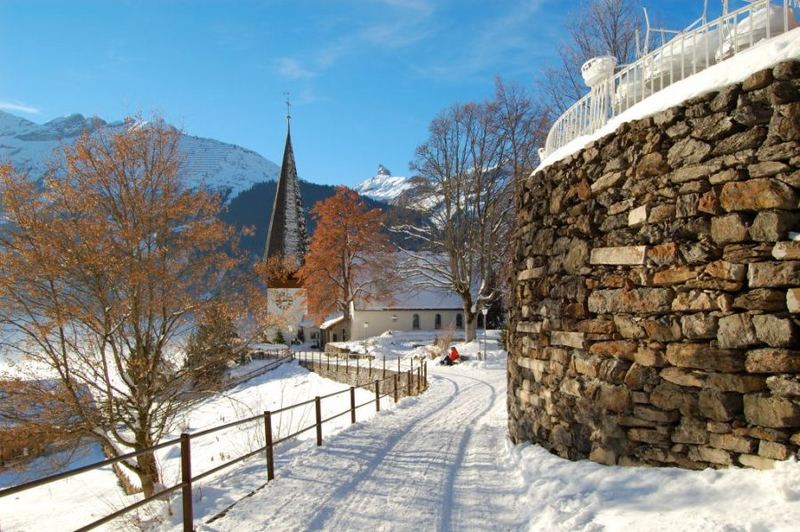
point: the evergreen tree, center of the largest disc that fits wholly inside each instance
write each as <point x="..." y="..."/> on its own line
<point x="212" y="346"/>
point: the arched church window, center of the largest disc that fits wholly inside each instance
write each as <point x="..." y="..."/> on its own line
<point x="415" y="322"/>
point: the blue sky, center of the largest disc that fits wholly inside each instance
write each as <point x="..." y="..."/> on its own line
<point x="365" y="76"/>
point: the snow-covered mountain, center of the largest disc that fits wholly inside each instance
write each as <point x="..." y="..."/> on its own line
<point x="384" y="186"/>
<point x="225" y="167"/>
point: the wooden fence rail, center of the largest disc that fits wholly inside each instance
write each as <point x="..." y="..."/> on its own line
<point x="417" y="379"/>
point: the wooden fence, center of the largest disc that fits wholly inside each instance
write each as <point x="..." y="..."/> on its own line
<point x="415" y="382"/>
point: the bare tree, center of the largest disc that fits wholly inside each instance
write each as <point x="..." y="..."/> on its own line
<point x="599" y="27"/>
<point x="102" y="272"/>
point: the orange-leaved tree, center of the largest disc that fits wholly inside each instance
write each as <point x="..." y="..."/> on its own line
<point x="350" y="258"/>
<point x="104" y="268"/>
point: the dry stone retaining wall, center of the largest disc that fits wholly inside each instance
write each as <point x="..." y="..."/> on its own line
<point x="657" y="292"/>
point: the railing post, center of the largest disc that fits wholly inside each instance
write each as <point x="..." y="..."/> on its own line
<point x="384" y="368"/>
<point x="377" y="395"/>
<point x="186" y="480"/>
<point x="419" y="380"/>
<point x="352" y="404"/>
<point x="358" y="366"/>
<point x="268" y="440"/>
<point x="408" y="382"/>
<point x="396" y="396"/>
<point x="318" y="408"/>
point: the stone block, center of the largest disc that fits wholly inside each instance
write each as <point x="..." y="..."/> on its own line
<point x="773" y="450"/>
<point x="687" y="151"/>
<point x="684" y="377"/>
<point x="771" y="226"/>
<point x="603" y="455"/>
<point x="793" y="300"/>
<point x="576" y="257"/>
<point x="785" y="385"/>
<point x="628" y="327"/>
<point x="729" y="228"/>
<point x="719" y="406"/>
<point x="533" y="273"/>
<point x="534" y="327"/>
<point x="613" y="398"/>
<point x="667" y="396"/>
<point x="623" y="255"/>
<point x="772" y="360"/>
<point x="736" y="331"/>
<point x="657" y="435"/>
<point x="729" y="442"/>
<point x="634" y="301"/>
<point x="663" y="254"/>
<point x="789" y="250"/>
<point x="695" y="301"/>
<point x="758" y="195"/>
<point x="757" y="80"/>
<point x="569" y="339"/>
<point x="648" y="357"/>
<point x="766" y="169"/>
<point x="616" y="348"/>
<point x="661" y="213"/>
<point x="606" y="181"/>
<point x="763" y="433"/>
<point x="761" y="299"/>
<point x="722" y="269"/>
<point x="691" y="431"/>
<point x="756" y="462"/>
<point x="703" y="356"/>
<point x="710" y="455"/>
<point x="736" y="144"/>
<point x="637" y="216"/>
<point x="699" y="326"/>
<point x="655" y="415"/>
<point x="675" y="275"/>
<point x="775" y="331"/>
<point x="770" y="411"/>
<point x="773" y="274"/>
<point x="730" y="382"/>
<point x="686" y="205"/>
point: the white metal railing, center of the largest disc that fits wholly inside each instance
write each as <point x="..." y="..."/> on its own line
<point x="687" y="53"/>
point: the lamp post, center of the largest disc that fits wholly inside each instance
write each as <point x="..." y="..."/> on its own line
<point x="366" y="325"/>
<point x="484" y="311"/>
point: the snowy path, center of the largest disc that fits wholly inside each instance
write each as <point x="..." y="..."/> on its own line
<point x="439" y="461"/>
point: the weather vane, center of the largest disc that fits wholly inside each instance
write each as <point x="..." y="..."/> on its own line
<point x="288" y="107"/>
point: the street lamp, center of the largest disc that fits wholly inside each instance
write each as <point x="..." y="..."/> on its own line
<point x="366" y="324"/>
<point x="484" y="311"/>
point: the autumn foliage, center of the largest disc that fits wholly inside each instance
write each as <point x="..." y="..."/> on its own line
<point x="104" y="268"/>
<point x="349" y="259"/>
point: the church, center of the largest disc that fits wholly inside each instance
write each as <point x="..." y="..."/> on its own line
<point x="287" y="238"/>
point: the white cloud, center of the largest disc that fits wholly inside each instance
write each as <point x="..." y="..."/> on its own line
<point x="291" y="68"/>
<point x="19" y="107"/>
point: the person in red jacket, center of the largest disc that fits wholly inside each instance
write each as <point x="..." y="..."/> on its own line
<point x="451" y="357"/>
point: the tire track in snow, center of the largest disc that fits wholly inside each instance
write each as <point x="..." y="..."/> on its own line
<point x="399" y="471"/>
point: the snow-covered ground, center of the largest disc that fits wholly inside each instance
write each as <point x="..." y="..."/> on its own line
<point x="81" y="499"/>
<point x="439" y="461"/>
<point x="443" y="461"/>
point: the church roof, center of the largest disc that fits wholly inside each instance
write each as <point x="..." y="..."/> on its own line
<point x="287" y="236"/>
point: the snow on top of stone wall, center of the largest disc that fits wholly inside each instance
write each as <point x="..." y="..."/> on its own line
<point x="734" y="70"/>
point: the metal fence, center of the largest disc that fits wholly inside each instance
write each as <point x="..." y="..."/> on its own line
<point x="415" y="382"/>
<point x="687" y="53"/>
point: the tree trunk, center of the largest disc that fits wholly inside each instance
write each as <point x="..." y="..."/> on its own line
<point x="148" y="472"/>
<point x="469" y="322"/>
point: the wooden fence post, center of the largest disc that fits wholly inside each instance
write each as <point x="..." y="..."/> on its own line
<point x="384" y="368"/>
<point x="318" y="408"/>
<point x="396" y="396"/>
<point x="408" y="382"/>
<point x="370" y="367"/>
<point x="352" y="404"/>
<point x="419" y="379"/>
<point x="186" y="480"/>
<point x="268" y="440"/>
<point x="398" y="363"/>
<point x="358" y="366"/>
<point x="377" y="395"/>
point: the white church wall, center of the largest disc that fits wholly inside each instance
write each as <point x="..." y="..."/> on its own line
<point x="380" y="321"/>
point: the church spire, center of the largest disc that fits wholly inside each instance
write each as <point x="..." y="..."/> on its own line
<point x="286" y="236"/>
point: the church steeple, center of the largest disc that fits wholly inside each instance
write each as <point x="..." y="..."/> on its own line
<point x="286" y="236"/>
